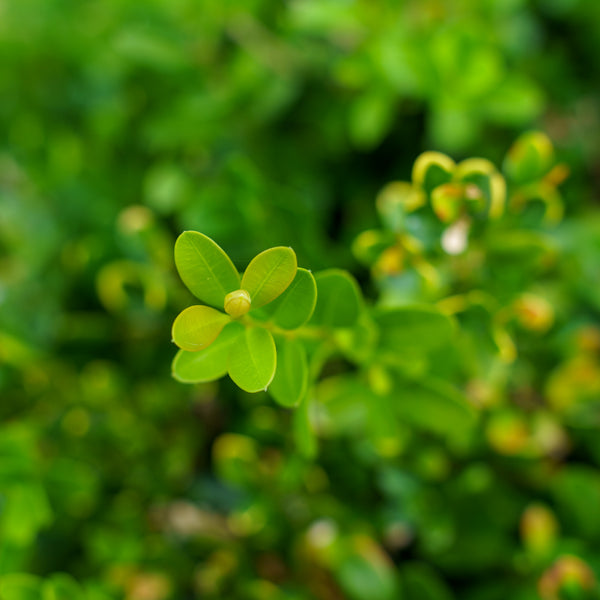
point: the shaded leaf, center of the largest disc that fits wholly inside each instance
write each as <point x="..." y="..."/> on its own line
<point x="413" y="328"/>
<point x="291" y="378"/>
<point x="197" y="327"/>
<point x="339" y="301"/>
<point x="62" y="586"/>
<point x="205" y="268"/>
<point x="304" y="435"/>
<point x="295" y="306"/>
<point x="253" y="360"/>
<point x="437" y="407"/>
<point x="269" y="274"/>
<point x="208" y="364"/>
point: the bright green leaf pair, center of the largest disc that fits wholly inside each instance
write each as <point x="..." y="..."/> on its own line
<point x="210" y="275"/>
<point x="247" y="354"/>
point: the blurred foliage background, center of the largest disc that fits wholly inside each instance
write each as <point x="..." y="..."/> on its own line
<point x="266" y="123"/>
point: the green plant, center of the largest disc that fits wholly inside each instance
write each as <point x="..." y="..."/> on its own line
<point x="278" y="328"/>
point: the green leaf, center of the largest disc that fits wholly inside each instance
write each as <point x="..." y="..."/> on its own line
<point x="339" y="302"/>
<point x="269" y="274"/>
<point x="205" y="268"/>
<point x="304" y="435"/>
<point x="420" y="580"/>
<point x="413" y="328"/>
<point x="296" y="305"/>
<point x="437" y="407"/>
<point x="364" y="579"/>
<point x="61" y="586"/>
<point x="20" y="586"/>
<point x="253" y="360"/>
<point x="25" y="511"/>
<point x="291" y="378"/>
<point x="208" y="364"/>
<point x="197" y="327"/>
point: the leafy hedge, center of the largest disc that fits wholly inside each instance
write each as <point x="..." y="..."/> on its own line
<point x="440" y="441"/>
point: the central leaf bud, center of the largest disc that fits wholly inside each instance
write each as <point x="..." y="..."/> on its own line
<point x="237" y="303"/>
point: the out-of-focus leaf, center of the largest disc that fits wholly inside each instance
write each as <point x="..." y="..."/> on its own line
<point x="413" y="328"/>
<point x="61" y="586"/>
<point x="304" y="434"/>
<point x="20" y="586"/>
<point x="576" y="488"/>
<point x="419" y="580"/>
<point x="291" y="378"/>
<point x="339" y="302"/>
<point x="26" y="511"/>
<point x="437" y="407"/>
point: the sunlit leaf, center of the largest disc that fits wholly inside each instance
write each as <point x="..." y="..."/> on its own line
<point x="20" y="586"/>
<point x="253" y="360"/>
<point x="205" y="268"/>
<point x="294" y="307"/>
<point x="269" y="274"/>
<point x="339" y="302"/>
<point x="197" y="327"/>
<point x="291" y="378"/>
<point x="208" y="364"/>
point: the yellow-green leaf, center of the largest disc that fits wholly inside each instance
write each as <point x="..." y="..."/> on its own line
<point x="269" y="274"/>
<point x="208" y="364"/>
<point x="197" y="327"/>
<point x="205" y="268"/>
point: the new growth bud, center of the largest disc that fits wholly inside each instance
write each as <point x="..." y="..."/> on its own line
<point x="237" y="303"/>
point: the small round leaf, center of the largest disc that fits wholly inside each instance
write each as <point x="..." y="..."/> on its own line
<point x="253" y="360"/>
<point x="339" y="302"/>
<point x="197" y="327"/>
<point x="208" y="364"/>
<point x="269" y="274"/>
<point x="296" y="305"/>
<point x="205" y="268"/>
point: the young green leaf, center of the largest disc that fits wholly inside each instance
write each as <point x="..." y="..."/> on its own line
<point x="291" y="378"/>
<point x="197" y="327"/>
<point x="61" y="585"/>
<point x="205" y="268"/>
<point x="208" y="364"/>
<point x="304" y="435"/>
<point x="253" y="360"/>
<point x="339" y="302"/>
<point x="413" y="328"/>
<point x="435" y="406"/>
<point x="269" y="274"/>
<point x="294" y="307"/>
<point x="20" y="586"/>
